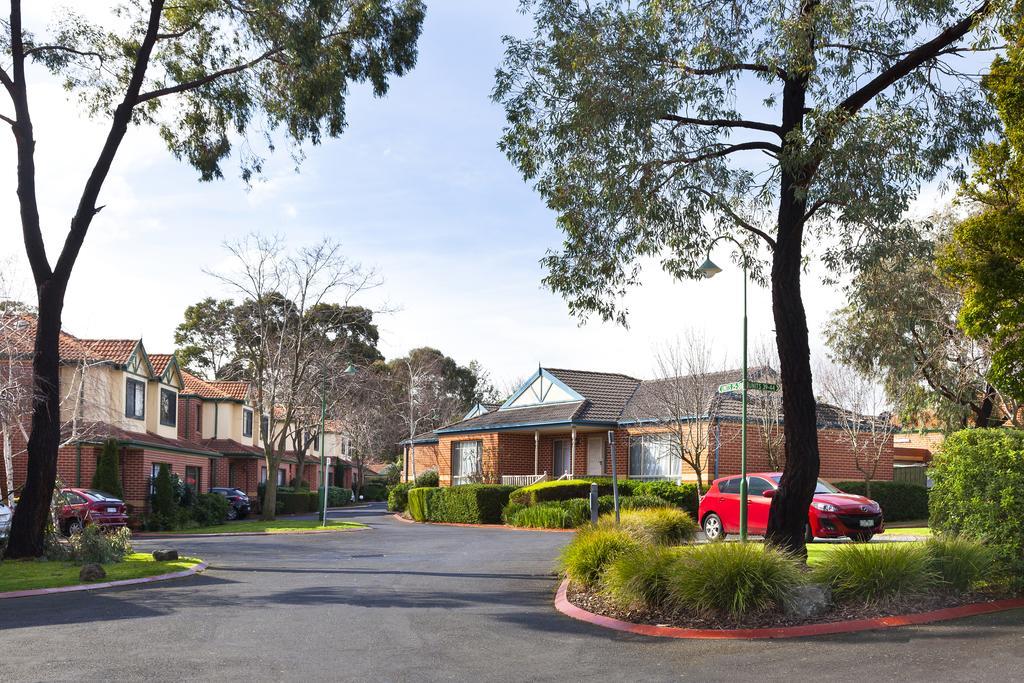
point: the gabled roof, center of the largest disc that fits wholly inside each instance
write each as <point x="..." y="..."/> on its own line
<point x="17" y="338"/>
<point x="605" y="393"/>
<point x="236" y="390"/>
<point x="654" y="398"/>
<point x="197" y="386"/>
<point x="165" y="367"/>
<point x="117" y="351"/>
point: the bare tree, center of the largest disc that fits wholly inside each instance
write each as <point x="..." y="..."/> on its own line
<point x="766" y="406"/>
<point x="856" y="403"/>
<point x="683" y="398"/>
<point x="421" y="398"/>
<point x="366" y="415"/>
<point x="278" y="344"/>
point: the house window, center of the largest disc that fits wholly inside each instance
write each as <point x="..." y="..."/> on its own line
<point x="192" y="477"/>
<point x="263" y="475"/>
<point x="246" y="422"/>
<point x="316" y="441"/>
<point x="135" y="399"/>
<point x="653" y="456"/>
<point x="562" y="453"/>
<point x="168" y="408"/>
<point x="282" y="476"/>
<point x="466" y="461"/>
<point x="199" y="419"/>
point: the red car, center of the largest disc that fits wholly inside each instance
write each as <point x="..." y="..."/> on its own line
<point x="87" y="506"/>
<point x="832" y="513"/>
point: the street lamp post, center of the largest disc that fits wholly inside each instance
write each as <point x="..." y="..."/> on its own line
<point x="709" y="269"/>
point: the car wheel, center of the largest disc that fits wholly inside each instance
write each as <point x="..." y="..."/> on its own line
<point x="808" y="534"/>
<point x="232" y="513"/>
<point x="713" y="527"/>
<point x="862" y="537"/>
<point x="75" y="526"/>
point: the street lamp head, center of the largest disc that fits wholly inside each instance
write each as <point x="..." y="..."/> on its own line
<point x="708" y="268"/>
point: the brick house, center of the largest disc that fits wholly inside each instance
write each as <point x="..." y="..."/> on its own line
<point x="562" y="423"/>
<point x="208" y="433"/>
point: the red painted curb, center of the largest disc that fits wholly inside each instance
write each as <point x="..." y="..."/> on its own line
<point x="502" y="527"/>
<point x="195" y="569"/>
<point x="563" y="605"/>
<point x="174" y="534"/>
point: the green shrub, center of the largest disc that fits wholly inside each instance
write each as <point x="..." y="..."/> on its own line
<point x="469" y="503"/>
<point x="398" y="497"/>
<point x="683" y="496"/>
<point x="960" y="563"/>
<point x="642" y="502"/>
<point x="640" y="577"/>
<point x="509" y="511"/>
<point x="660" y="526"/>
<point x="732" y="578"/>
<point x="315" y="502"/>
<point x="294" y="502"/>
<point x="427" y="479"/>
<point x="979" y="493"/>
<point x="209" y="509"/>
<point x="627" y="487"/>
<point x="337" y="496"/>
<point x="164" y="507"/>
<point x="92" y="545"/>
<point x="107" y="477"/>
<point x="374" y="492"/>
<point x="583" y="560"/>
<point x="557" y="514"/>
<point x="419" y="502"/>
<point x="566" y="489"/>
<point x="899" y="500"/>
<point x="877" y="573"/>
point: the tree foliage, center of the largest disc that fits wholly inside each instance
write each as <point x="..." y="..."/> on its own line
<point x="107" y="477"/>
<point x="984" y="260"/>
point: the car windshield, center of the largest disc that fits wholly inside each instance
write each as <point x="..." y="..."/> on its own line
<point x="822" y="487"/>
<point x="99" y="495"/>
<point x="238" y="492"/>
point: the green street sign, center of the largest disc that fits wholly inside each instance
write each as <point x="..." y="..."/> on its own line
<point x="738" y="386"/>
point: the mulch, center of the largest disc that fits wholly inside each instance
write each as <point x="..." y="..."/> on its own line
<point x="592" y="601"/>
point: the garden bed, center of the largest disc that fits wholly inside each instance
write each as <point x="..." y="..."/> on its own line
<point x="594" y="602"/>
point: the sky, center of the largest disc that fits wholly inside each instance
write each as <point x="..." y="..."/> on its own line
<point x="415" y="188"/>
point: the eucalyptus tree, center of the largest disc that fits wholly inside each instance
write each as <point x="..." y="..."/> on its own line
<point x="653" y="126"/>
<point x="206" y="73"/>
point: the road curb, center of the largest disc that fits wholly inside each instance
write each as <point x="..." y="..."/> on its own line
<point x="501" y="527"/>
<point x="195" y="569"/>
<point x="156" y="536"/>
<point x="563" y="605"/>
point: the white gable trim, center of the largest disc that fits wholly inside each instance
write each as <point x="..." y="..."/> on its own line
<point x="542" y="388"/>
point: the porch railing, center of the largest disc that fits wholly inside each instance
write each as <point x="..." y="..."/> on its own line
<point x="523" y="479"/>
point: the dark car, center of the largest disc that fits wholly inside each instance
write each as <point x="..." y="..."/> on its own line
<point x="239" y="502"/>
<point x="83" y="507"/>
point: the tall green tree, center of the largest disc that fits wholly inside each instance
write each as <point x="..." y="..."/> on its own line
<point x="203" y="72"/>
<point x="652" y="127"/>
<point x="107" y="477"/>
<point x="204" y="337"/>
<point x="984" y="260"/>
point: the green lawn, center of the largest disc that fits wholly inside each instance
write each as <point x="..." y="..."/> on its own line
<point x="16" y="575"/>
<point x="279" y="526"/>
<point x="907" y="531"/>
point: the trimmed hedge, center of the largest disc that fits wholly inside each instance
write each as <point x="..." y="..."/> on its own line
<point x="566" y="489"/>
<point x="428" y="479"/>
<point x="337" y="496"/>
<point x="466" y="504"/>
<point x="374" y="492"/>
<point x="900" y="501"/>
<point x="979" y="492"/>
<point x="684" y="496"/>
<point x="293" y="502"/>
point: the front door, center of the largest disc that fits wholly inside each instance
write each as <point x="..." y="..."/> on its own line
<point x="595" y="455"/>
<point x="563" y="457"/>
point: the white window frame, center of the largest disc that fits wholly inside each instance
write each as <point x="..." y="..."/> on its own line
<point x="654" y="451"/>
<point x="247" y="417"/>
<point x="467" y="461"/>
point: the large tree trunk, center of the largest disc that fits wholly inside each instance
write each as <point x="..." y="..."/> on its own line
<point x="269" y="510"/>
<point x="983" y="416"/>
<point x="32" y="515"/>
<point x="788" y="514"/>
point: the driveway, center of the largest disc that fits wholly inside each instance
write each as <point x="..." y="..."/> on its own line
<point x="406" y="602"/>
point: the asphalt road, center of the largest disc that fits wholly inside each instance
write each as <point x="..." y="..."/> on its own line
<point x="405" y="602"/>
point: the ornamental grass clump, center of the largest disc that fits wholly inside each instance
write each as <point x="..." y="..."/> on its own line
<point x="586" y="557"/>
<point x="563" y="514"/>
<point x="731" y="578"/>
<point x="640" y="577"/>
<point x="660" y="525"/>
<point x="878" y="573"/>
<point x="960" y="563"/>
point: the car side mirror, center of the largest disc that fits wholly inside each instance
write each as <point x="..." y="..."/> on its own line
<point x="768" y="493"/>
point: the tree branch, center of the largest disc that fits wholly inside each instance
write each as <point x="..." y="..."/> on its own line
<point x="6" y="80"/>
<point x="209" y="78"/>
<point x="8" y="120"/>
<point x="725" y="151"/>
<point x="742" y="222"/>
<point x="913" y="59"/>
<point x="725" y="123"/>
<point x="738" y="66"/>
<point x="62" y="48"/>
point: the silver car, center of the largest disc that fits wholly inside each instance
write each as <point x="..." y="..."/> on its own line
<point x="5" y="521"/>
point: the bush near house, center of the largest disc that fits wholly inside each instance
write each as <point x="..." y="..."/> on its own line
<point x="428" y="479"/>
<point x="900" y="501"/>
<point x="685" y="496"/>
<point x="337" y="496"/>
<point x="209" y="509"/>
<point x="293" y="502"/>
<point x="398" y="496"/>
<point x="466" y="504"/>
<point x="419" y="503"/>
<point x="978" y="493"/>
<point x="556" y="514"/>
<point x="164" y="513"/>
<point x="107" y="477"/>
<point x="371" y="492"/>
<point x="566" y="489"/>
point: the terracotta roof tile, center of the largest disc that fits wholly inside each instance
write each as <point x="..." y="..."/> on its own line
<point x="233" y="389"/>
<point x="17" y="337"/>
<point x="101" y="431"/>
<point x="116" y="350"/>
<point x="200" y="387"/>
<point x="160" y="361"/>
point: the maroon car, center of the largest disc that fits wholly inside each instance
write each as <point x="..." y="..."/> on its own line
<point x="88" y="506"/>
